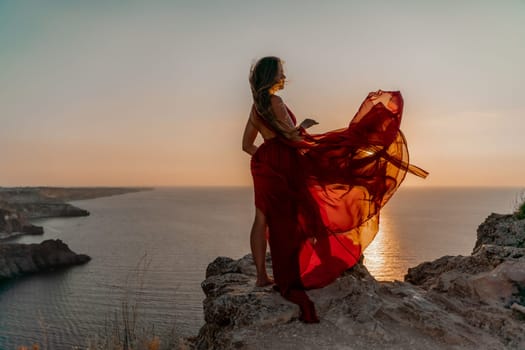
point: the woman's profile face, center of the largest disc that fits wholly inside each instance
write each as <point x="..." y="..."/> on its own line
<point x="280" y="77"/>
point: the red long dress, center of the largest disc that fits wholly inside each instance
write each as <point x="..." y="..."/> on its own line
<point x="321" y="196"/>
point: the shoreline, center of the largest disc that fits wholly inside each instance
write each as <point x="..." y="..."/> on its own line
<point x="20" y="205"/>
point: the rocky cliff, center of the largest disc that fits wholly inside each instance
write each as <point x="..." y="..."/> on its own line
<point x="12" y="223"/>
<point x="21" y="259"/>
<point x="18" y="205"/>
<point x="31" y="203"/>
<point x="455" y="302"/>
<point x="40" y="202"/>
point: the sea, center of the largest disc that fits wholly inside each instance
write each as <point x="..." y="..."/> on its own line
<point x="150" y="251"/>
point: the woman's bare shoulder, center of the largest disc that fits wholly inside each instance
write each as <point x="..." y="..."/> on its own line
<point x="276" y="99"/>
<point x="277" y="103"/>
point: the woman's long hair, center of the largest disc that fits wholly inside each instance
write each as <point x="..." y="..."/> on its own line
<point x="263" y="76"/>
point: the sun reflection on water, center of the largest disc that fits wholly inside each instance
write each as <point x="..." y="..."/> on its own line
<point x="382" y="255"/>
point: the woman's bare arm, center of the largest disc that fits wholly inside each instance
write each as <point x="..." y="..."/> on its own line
<point x="284" y="119"/>
<point x="281" y="113"/>
<point x="248" y="137"/>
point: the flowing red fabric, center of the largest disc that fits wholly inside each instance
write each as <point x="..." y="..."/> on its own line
<point x="322" y="196"/>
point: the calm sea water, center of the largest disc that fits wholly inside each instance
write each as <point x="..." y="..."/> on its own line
<point x="152" y="248"/>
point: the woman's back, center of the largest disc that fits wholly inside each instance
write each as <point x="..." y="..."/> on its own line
<point x="266" y="132"/>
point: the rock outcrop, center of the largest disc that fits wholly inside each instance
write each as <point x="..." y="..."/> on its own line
<point x="41" y="202"/>
<point x="502" y="230"/>
<point x="22" y="259"/>
<point x="455" y="302"/>
<point x="33" y="203"/>
<point x="18" y="205"/>
<point x="11" y="223"/>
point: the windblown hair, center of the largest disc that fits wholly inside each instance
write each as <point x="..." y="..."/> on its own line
<point x="263" y="76"/>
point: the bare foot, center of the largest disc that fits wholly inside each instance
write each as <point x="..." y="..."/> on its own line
<point x="265" y="281"/>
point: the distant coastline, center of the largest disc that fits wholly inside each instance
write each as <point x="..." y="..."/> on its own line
<point x="20" y="205"/>
<point x="71" y="193"/>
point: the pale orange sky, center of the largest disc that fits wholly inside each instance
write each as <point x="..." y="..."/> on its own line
<point x="156" y="94"/>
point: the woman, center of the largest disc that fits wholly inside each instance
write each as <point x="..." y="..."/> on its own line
<point x="318" y="195"/>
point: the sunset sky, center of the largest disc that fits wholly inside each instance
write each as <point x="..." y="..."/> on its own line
<point x="155" y="93"/>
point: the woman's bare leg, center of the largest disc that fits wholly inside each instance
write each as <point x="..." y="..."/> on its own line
<point x="258" y="245"/>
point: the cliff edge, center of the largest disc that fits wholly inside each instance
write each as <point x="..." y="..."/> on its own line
<point x="455" y="302"/>
<point x="21" y="259"/>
